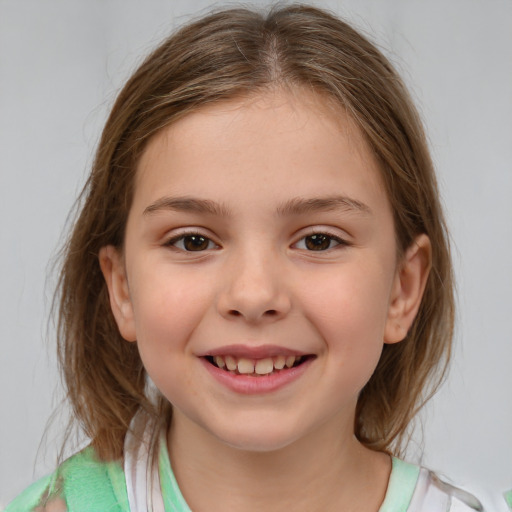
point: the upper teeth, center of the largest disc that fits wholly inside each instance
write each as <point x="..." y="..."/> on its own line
<point x="258" y="366"/>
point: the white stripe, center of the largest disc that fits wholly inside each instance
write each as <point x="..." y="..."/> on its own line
<point x="142" y="482"/>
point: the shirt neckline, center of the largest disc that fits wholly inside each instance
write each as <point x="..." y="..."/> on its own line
<point x="401" y="485"/>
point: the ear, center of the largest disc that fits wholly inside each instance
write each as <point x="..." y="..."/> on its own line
<point x="408" y="287"/>
<point x="114" y="272"/>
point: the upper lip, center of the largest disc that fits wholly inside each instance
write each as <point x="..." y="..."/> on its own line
<point x="252" y="352"/>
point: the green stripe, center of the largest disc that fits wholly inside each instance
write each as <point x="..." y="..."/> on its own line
<point x="87" y="485"/>
<point x="508" y="498"/>
<point x="117" y="478"/>
<point x="30" y="498"/>
<point x="402" y="483"/>
<point x="173" y="499"/>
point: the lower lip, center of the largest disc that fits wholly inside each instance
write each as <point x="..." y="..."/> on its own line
<point x="248" y="385"/>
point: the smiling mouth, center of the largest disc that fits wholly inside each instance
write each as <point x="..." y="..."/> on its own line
<point x="256" y="367"/>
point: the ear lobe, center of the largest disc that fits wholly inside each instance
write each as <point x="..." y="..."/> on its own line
<point x="114" y="272"/>
<point x="408" y="287"/>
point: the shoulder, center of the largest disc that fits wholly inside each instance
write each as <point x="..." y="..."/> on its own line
<point x="82" y="482"/>
<point x="433" y="493"/>
<point x="508" y="498"/>
<point x="415" y="489"/>
<point x="31" y="497"/>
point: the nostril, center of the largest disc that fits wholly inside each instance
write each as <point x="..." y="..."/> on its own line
<point x="269" y="313"/>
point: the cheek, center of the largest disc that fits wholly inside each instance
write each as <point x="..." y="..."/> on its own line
<point x="167" y="310"/>
<point x="349" y="310"/>
<point x="167" y="307"/>
<point x="349" y="303"/>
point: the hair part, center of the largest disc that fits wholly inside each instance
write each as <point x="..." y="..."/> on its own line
<point x="227" y="55"/>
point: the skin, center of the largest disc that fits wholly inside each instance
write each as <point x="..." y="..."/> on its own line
<point x="256" y="282"/>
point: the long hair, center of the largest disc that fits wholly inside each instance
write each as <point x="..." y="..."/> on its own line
<point x="223" y="56"/>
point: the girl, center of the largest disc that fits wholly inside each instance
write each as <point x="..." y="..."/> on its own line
<point x="256" y="298"/>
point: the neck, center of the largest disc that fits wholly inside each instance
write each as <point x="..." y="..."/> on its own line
<point x="327" y="470"/>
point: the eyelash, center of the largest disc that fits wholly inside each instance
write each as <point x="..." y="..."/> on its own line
<point x="173" y="242"/>
<point x="322" y="237"/>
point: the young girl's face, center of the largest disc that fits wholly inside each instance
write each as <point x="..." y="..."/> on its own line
<point x="260" y="237"/>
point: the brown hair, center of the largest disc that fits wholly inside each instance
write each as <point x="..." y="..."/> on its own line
<point x="225" y="55"/>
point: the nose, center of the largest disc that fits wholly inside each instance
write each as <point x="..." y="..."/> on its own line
<point x="254" y="288"/>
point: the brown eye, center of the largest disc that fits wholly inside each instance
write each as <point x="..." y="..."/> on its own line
<point x="319" y="242"/>
<point x="195" y="243"/>
<point x="192" y="243"/>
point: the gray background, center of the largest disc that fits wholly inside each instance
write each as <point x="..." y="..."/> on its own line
<point x="61" y="63"/>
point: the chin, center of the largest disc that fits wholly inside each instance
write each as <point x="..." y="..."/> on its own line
<point x="258" y="438"/>
<point x="258" y="445"/>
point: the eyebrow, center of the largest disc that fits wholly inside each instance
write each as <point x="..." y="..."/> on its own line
<point x="187" y="204"/>
<point x="300" y="206"/>
<point x="295" y="206"/>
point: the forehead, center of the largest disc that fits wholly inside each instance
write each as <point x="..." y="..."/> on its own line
<point x="293" y="139"/>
